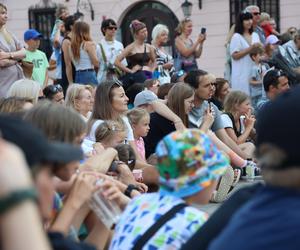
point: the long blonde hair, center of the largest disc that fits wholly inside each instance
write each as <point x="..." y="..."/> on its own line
<point x="7" y="36"/>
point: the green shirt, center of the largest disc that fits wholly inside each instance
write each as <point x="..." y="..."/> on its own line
<point x="40" y="65"/>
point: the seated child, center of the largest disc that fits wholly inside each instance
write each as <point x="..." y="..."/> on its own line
<point x="139" y="119"/>
<point x="111" y="133"/>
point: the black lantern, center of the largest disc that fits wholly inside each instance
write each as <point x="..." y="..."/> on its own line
<point x="187" y="8"/>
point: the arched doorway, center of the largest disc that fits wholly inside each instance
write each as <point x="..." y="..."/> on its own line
<point x="151" y="13"/>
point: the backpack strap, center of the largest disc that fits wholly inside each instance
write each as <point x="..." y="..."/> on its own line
<point x="157" y="225"/>
<point x="103" y="53"/>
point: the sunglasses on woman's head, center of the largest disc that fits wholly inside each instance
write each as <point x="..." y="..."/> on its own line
<point x="280" y="73"/>
<point x="55" y="88"/>
<point x="119" y="83"/>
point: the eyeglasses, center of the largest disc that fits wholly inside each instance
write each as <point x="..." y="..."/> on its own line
<point x="112" y="28"/>
<point x="187" y="19"/>
<point x="255" y="13"/>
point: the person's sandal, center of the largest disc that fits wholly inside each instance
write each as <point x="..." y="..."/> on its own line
<point x="224" y="186"/>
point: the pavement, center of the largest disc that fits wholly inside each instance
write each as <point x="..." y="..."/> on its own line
<point x="212" y="207"/>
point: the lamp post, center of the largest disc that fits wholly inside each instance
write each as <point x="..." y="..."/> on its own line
<point x="187" y="8"/>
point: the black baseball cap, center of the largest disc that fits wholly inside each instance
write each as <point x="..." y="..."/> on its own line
<point x="278" y="124"/>
<point x="35" y="145"/>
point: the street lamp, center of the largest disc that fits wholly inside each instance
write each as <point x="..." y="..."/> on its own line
<point x="187" y="8"/>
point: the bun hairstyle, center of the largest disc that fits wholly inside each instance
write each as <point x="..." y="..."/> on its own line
<point x="136" y="26"/>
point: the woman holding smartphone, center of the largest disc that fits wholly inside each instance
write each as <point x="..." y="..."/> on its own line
<point x="187" y="51"/>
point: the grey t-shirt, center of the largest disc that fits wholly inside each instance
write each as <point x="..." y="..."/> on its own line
<point x="256" y="74"/>
<point x="197" y="114"/>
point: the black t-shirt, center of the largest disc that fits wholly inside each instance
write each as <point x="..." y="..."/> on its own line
<point x="159" y="127"/>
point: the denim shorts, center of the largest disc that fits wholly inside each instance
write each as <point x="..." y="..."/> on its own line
<point x="86" y="77"/>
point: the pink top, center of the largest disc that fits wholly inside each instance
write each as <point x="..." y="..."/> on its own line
<point x="140" y="146"/>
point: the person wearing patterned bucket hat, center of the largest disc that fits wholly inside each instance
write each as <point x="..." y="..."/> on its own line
<point x="189" y="166"/>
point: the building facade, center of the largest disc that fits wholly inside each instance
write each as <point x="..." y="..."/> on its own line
<point x="214" y="15"/>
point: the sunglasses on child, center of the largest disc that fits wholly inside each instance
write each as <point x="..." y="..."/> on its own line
<point x="112" y="28"/>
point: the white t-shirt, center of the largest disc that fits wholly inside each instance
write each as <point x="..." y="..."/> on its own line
<point x="241" y="68"/>
<point x="227" y="122"/>
<point x="111" y="50"/>
<point x="91" y="135"/>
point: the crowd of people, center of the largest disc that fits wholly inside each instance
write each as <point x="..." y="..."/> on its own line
<point x="115" y="150"/>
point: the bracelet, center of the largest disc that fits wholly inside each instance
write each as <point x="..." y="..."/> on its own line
<point x="129" y="189"/>
<point x="17" y="197"/>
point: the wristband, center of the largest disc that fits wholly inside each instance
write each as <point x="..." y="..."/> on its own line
<point x="15" y="198"/>
<point x="114" y="166"/>
<point x="129" y="189"/>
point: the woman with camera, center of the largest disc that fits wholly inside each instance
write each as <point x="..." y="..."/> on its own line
<point x="187" y="51"/>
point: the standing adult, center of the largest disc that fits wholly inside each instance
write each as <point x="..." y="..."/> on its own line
<point x="11" y="50"/>
<point x="255" y="11"/>
<point x="110" y="48"/>
<point x="164" y="61"/>
<point x="242" y="43"/>
<point x="187" y="50"/>
<point x="140" y="56"/>
<point x="68" y="69"/>
<point x="56" y="38"/>
<point x="83" y="54"/>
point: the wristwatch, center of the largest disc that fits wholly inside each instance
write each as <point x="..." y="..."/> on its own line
<point x="129" y="189"/>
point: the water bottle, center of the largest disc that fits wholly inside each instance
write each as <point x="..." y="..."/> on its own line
<point x="107" y="211"/>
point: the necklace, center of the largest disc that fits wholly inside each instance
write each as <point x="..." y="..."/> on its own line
<point x="110" y="42"/>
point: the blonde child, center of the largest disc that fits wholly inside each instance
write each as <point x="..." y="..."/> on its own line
<point x="111" y="133"/>
<point x="238" y="120"/>
<point x="139" y="120"/>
